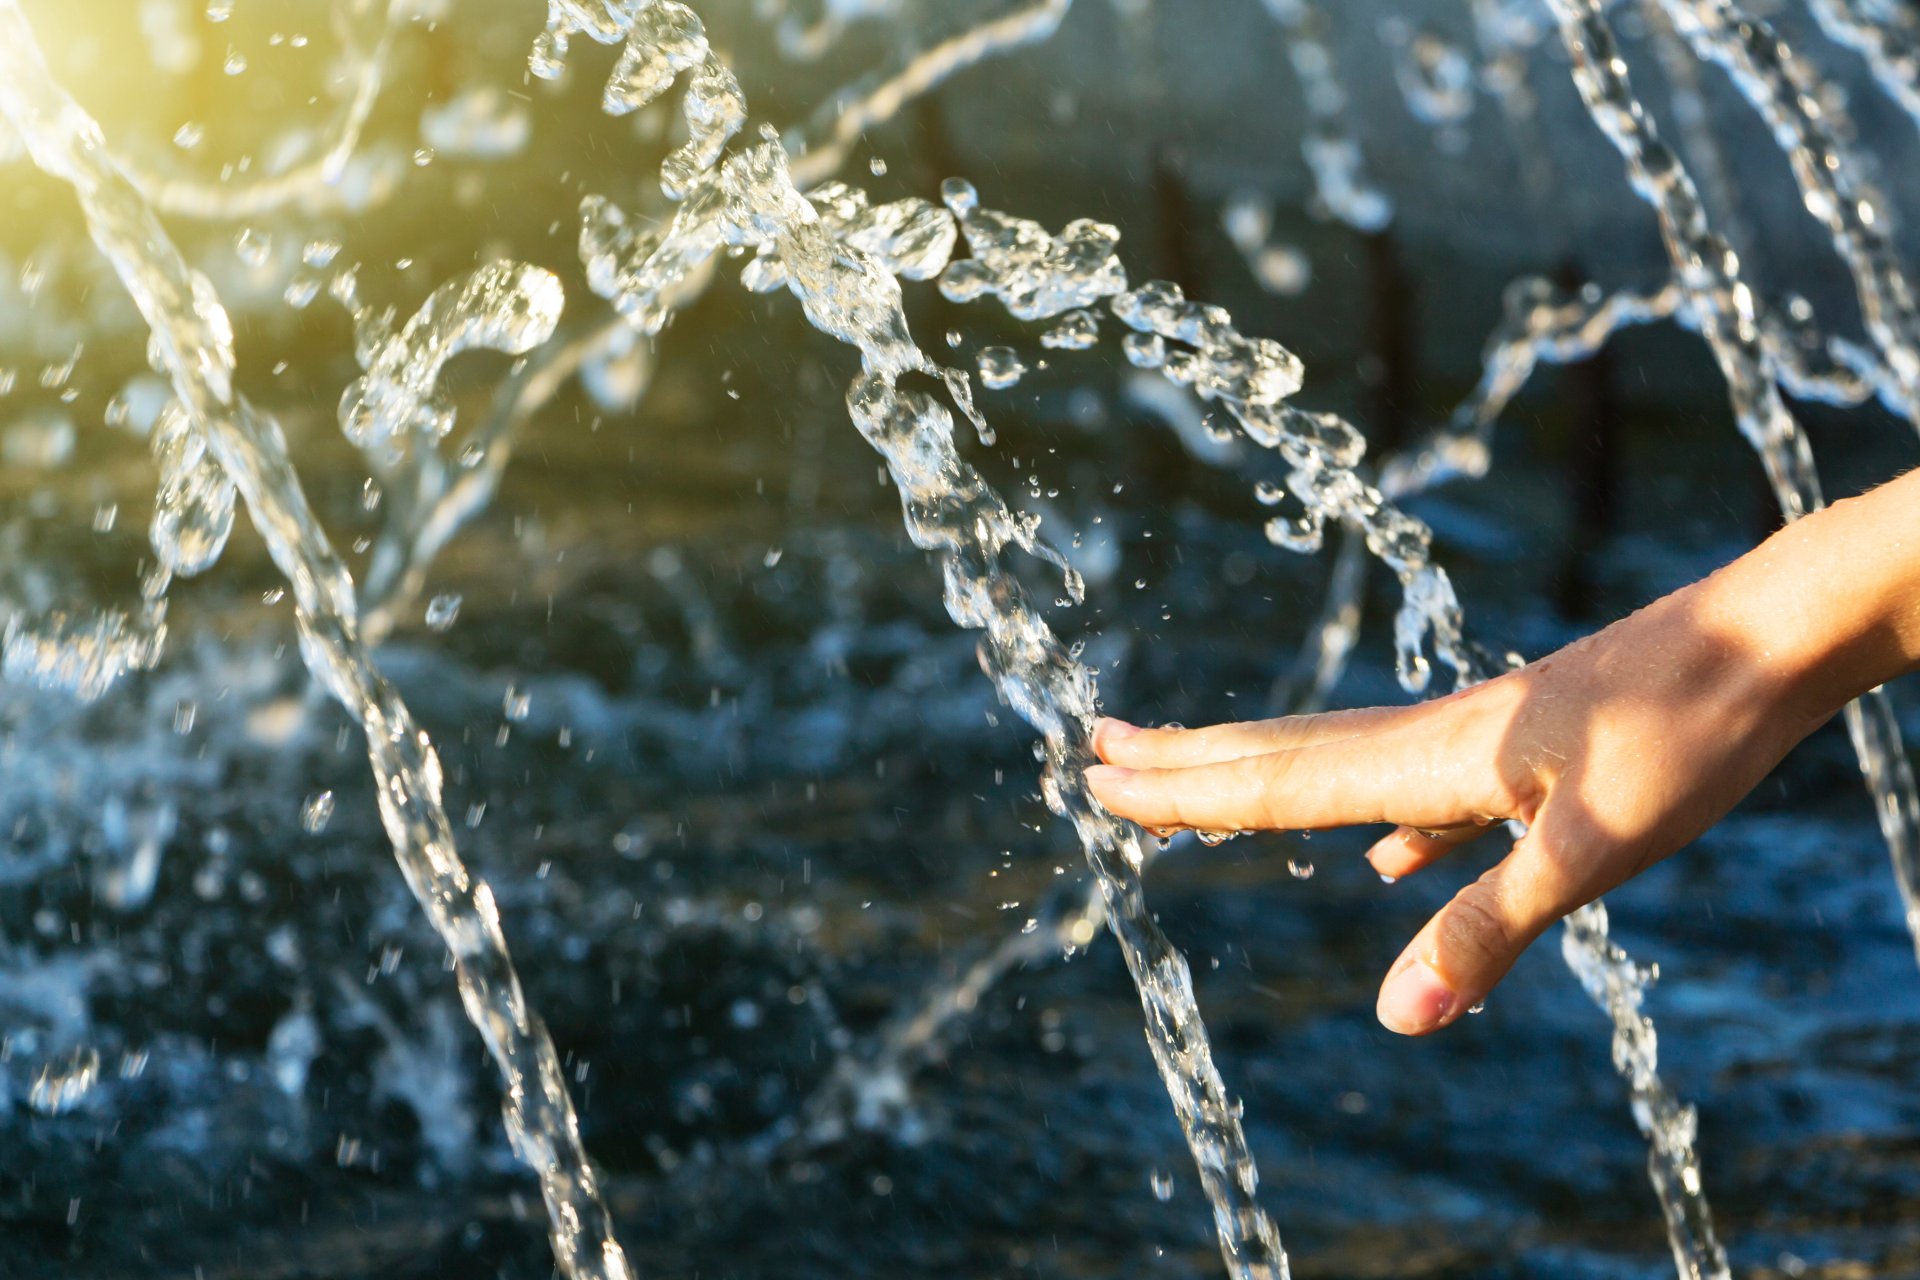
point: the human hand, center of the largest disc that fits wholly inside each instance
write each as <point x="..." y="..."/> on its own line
<point x="1614" y="752"/>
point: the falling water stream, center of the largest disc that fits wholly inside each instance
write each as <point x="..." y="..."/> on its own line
<point x="737" y="192"/>
<point x="511" y="308"/>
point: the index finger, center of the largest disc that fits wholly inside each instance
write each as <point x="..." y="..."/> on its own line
<point x="1175" y="748"/>
<point x="1423" y="776"/>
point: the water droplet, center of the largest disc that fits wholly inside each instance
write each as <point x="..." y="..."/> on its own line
<point x="960" y="196"/>
<point x="1479" y="1006"/>
<point x="1300" y="868"/>
<point x="189" y="135"/>
<point x="1000" y="367"/>
<point x="548" y="58"/>
<point x="442" y="610"/>
<point x="320" y="253"/>
<point x="63" y="1085"/>
<point x="316" y="812"/>
<point x="877" y="167"/>
<point x="254" y="247"/>
<point x="1162" y="1183"/>
<point x="1144" y="350"/>
<point x="301" y="292"/>
<point x="236" y="63"/>
<point x="516" y="703"/>
<point x="1078" y="330"/>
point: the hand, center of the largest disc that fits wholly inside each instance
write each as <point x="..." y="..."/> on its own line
<point x="1614" y="752"/>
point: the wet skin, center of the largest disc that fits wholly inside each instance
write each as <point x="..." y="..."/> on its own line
<point x="1614" y="752"/>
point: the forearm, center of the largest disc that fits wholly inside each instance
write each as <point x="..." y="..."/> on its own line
<point x="1829" y="607"/>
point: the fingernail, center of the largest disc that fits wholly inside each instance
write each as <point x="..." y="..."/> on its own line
<point x="1381" y="859"/>
<point x="1099" y="773"/>
<point x="1415" y="999"/>
<point x="1113" y="728"/>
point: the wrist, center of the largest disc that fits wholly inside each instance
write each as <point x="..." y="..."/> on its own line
<point x="1829" y="607"/>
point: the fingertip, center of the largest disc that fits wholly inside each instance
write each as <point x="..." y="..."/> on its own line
<point x="1415" y="1000"/>
<point x="1393" y="859"/>
<point x="1406" y="849"/>
<point x="1108" y="731"/>
<point x="1107" y="783"/>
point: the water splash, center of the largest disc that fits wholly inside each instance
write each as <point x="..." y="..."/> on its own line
<point x="1435" y="75"/>
<point x="1280" y="269"/>
<point x="1540" y="323"/>
<point x="434" y="496"/>
<point x="481" y="123"/>
<point x="63" y="1086"/>
<point x="806" y="40"/>
<point x="1342" y="190"/>
<point x="1785" y="92"/>
<point x="1791" y="352"/>
<point x="748" y="200"/>
<point x="1223" y="366"/>
<point x="300" y="177"/>
<point x="1723" y="309"/>
<point x="85" y="654"/>
<point x="1506" y="36"/>
<point x="1887" y="35"/>
<point x="853" y="114"/>
<point x="394" y="408"/>
<point x="1619" y="986"/>
<point x="1036" y="276"/>
<point x="192" y="337"/>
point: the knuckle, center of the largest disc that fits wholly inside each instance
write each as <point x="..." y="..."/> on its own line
<point x="1181" y="811"/>
<point x="1510" y="793"/>
<point x="1270" y="775"/>
<point x="1508" y="782"/>
<point x="1275" y="730"/>
<point x="1508" y="786"/>
<point x="1310" y="725"/>
<point x="1476" y="932"/>
<point x="1185" y="799"/>
<point x="1272" y="769"/>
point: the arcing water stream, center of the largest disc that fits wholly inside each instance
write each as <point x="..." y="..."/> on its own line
<point x="508" y="307"/>
<point x="733" y="193"/>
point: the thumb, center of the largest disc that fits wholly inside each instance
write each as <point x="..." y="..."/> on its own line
<point x="1465" y="950"/>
